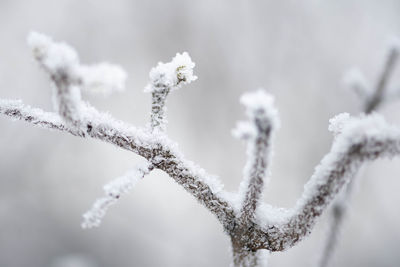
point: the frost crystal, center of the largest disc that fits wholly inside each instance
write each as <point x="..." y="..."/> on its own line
<point x="114" y="190"/>
<point x="337" y="123"/>
<point x="173" y="74"/>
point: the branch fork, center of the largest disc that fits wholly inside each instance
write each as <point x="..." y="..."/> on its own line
<point x="253" y="227"/>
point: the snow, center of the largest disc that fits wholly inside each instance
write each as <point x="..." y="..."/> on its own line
<point x="52" y="55"/>
<point x="114" y="191"/>
<point x="261" y="104"/>
<point x="172" y="75"/>
<point x="337" y="123"/>
<point x="102" y="78"/>
<point x="61" y="59"/>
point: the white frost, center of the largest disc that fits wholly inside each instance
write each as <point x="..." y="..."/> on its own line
<point x="61" y="59"/>
<point x="54" y="56"/>
<point x="337" y="123"/>
<point x="114" y="190"/>
<point x="260" y="103"/>
<point x="102" y="78"/>
<point x="173" y="74"/>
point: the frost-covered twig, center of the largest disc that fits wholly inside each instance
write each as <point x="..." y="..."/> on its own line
<point x="250" y="225"/>
<point x="80" y="119"/>
<point x="257" y="132"/>
<point x="114" y="191"/>
<point x="372" y="99"/>
<point x="164" y="78"/>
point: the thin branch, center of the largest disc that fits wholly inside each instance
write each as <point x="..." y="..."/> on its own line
<point x="114" y="191"/>
<point x="376" y="99"/>
<point x="164" y="78"/>
<point x="257" y="132"/>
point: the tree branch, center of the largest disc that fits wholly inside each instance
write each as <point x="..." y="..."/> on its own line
<point x="371" y="104"/>
<point x="361" y="140"/>
<point x="257" y="132"/>
<point x="357" y="141"/>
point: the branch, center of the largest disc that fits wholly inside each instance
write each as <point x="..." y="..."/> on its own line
<point x="361" y="140"/>
<point x="372" y="100"/>
<point x="376" y="99"/>
<point x="80" y="119"/>
<point x="357" y="141"/>
<point x="114" y="191"/>
<point x="257" y="132"/>
<point x="164" y="78"/>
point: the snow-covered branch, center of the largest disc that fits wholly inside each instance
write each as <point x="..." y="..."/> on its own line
<point x="164" y="78"/>
<point x="263" y="120"/>
<point x="251" y="225"/>
<point x="361" y="140"/>
<point x="114" y="191"/>
<point x="81" y="119"/>
<point x="371" y="98"/>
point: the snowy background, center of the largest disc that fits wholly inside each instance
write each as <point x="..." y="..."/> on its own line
<point x="298" y="50"/>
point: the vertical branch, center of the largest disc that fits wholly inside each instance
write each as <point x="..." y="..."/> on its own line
<point x="61" y="62"/>
<point x="339" y="208"/>
<point x="248" y="258"/>
<point x="258" y="151"/>
<point x="262" y="121"/>
<point x="164" y="78"/>
<point x="158" y="109"/>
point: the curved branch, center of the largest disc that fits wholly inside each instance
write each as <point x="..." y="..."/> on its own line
<point x="339" y="207"/>
<point x="365" y="140"/>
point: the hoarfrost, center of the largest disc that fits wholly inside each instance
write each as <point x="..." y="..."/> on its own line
<point x="114" y="190"/>
<point x="173" y="74"/>
<point x="53" y="56"/>
<point x="102" y="78"/>
<point x="337" y="123"/>
<point x="61" y="59"/>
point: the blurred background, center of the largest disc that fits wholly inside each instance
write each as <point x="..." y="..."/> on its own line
<point x="297" y="50"/>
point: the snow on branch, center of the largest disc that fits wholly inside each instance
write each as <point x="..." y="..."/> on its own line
<point x="164" y="78"/>
<point x="62" y="63"/>
<point x="362" y="139"/>
<point x="252" y="226"/>
<point x="371" y="98"/>
<point x="257" y="131"/>
<point x="114" y="191"/>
